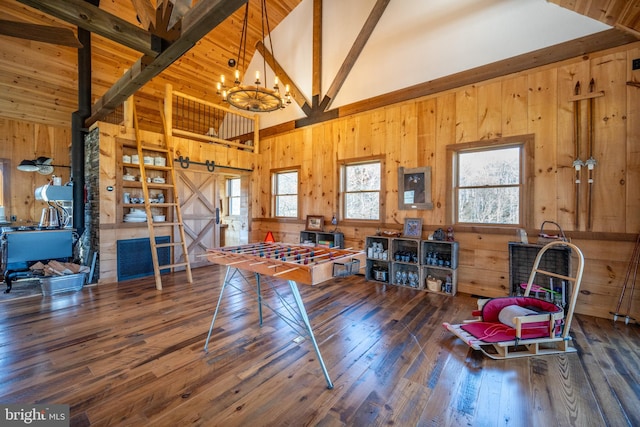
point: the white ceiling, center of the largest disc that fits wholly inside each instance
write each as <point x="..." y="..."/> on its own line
<point x="414" y="42"/>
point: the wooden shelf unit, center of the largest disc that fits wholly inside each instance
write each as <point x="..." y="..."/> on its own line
<point x="410" y="262"/>
<point x="521" y="259"/>
<point x="332" y="239"/>
<point x="134" y="188"/>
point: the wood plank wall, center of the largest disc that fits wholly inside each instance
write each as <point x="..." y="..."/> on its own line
<point x="22" y="140"/>
<point x="112" y="228"/>
<point x="416" y="133"/>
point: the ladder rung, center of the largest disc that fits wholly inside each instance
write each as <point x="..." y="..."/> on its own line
<point x="167" y="245"/>
<point x="179" y="264"/>
<point x="165" y="224"/>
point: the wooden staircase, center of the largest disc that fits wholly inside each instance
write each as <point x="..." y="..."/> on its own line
<point x="171" y="207"/>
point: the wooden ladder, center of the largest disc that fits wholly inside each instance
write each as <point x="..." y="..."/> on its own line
<point x="178" y="239"/>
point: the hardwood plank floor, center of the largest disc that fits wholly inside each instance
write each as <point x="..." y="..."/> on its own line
<point x="126" y="354"/>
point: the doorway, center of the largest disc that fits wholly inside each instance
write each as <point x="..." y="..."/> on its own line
<point x="199" y="203"/>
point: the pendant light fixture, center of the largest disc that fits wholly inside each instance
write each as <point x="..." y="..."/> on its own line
<point x="258" y="97"/>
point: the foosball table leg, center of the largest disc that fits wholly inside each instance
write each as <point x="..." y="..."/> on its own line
<point x="259" y="292"/>
<point x="215" y="313"/>
<point x="305" y="319"/>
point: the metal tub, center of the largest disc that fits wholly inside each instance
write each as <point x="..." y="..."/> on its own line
<point x="57" y="284"/>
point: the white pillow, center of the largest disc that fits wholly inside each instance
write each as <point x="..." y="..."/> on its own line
<point x="507" y="314"/>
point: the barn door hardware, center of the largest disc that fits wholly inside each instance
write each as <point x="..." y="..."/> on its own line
<point x="591" y="162"/>
<point x="185" y="162"/>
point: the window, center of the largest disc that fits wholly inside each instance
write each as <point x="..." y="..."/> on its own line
<point x="361" y="188"/>
<point x="285" y="193"/>
<point x="233" y="192"/>
<point x="5" y="169"/>
<point x="488" y="182"/>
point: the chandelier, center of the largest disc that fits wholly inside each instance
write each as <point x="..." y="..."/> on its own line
<point x="257" y="97"/>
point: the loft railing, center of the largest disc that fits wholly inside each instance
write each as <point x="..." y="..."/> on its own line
<point x="193" y="118"/>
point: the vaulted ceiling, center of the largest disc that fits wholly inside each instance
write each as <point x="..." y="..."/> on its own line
<point x="39" y="80"/>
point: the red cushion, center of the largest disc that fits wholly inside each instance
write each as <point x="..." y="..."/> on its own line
<point x="499" y="332"/>
<point x="491" y="309"/>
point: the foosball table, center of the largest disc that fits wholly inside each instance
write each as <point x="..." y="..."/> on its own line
<point x="294" y="264"/>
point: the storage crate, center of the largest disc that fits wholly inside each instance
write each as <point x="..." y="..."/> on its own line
<point x="342" y="269"/>
<point x="56" y="284"/>
<point x="521" y="259"/>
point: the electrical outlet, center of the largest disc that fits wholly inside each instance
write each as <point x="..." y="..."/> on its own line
<point x="635" y="64"/>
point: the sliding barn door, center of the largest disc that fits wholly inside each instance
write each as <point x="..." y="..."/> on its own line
<point x="198" y="192"/>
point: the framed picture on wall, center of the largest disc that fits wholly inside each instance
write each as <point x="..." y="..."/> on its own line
<point x="315" y="223"/>
<point x="412" y="228"/>
<point x="414" y="188"/>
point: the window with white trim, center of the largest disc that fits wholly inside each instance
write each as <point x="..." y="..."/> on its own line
<point x="361" y="189"/>
<point x="489" y="182"/>
<point x="285" y="193"/>
<point x="234" y="191"/>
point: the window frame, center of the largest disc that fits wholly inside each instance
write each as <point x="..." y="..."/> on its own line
<point x="230" y="196"/>
<point x="274" y="173"/>
<point x="5" y="197"/>
<point x="342" y="165"/>
<point x="526" y="185"/>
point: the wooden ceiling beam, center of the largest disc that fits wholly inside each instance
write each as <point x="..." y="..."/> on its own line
<point x="202" y="18"/>
<point x="575" y="48"/>
<point x="316" y="80"/>
<point x="622" y="14"/>
<point x="356" y="49"/>
<point x="145" y="12"/>
<point x="41" y="33"/>
<point x="284" y="78"/>
<point x="92" y="18"/>
<point x="180" y="8"/>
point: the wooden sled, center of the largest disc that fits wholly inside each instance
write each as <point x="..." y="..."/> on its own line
<point x="537" y="327"/>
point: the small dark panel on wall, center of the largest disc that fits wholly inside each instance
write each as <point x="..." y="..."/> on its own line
<point x="635" y="64"/>
<point x="134" y="257"/>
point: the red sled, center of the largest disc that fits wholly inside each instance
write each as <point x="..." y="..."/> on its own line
<point x="519" y="326"/>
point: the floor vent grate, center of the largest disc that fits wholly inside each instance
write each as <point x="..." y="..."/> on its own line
<point x="134" y="257"/>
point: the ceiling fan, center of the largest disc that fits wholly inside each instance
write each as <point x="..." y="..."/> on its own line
<point x="41" y="33"/>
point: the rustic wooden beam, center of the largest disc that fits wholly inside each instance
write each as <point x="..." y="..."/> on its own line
<point x="316" y="80"/>
<point x="41" y="33"/>
<point x="146" y="13"/>
<point x="571" y="49"/>
<point x="623" y="14"/>
<point x="284" y="78"/>
<point x="92" y="18"/>
<point x="202" y="18"/>
<point x="593" y="43"/>
<point x="356" y="49"/>
<point x="180" y="8"/>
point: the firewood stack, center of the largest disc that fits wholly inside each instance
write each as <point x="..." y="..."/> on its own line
<point x="56" y="268"/>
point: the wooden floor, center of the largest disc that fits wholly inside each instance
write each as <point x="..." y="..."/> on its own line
<point x="126" y="354"/>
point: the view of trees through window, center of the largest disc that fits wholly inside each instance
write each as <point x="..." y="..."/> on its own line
<point x="488" y="190"/>
<point x="285" y="192"/>
<point x="361" y="183"/>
